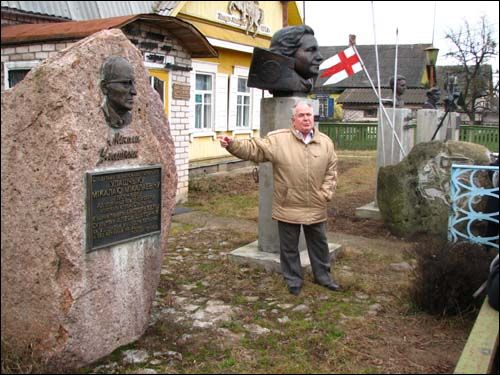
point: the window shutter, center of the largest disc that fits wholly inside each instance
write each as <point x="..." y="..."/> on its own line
<point x="192" y="100"/>
<point x="233" y="87"/>
<point x="256" y="97"/>
<point x="221" y="102"/>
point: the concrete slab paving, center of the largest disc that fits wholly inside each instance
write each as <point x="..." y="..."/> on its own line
<point x="369" y="211"/>
<point x="252" y="256"/>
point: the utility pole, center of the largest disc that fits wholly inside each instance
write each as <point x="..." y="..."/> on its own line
<point x="284" y="7"/>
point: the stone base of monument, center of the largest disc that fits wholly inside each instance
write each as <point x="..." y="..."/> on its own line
<point x="369" y="211"/>
<point x="270" y="262"/>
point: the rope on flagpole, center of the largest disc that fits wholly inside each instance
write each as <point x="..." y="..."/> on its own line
<point x="394" y="94"/>
<point x="434" y="23"/>
<point x="378" y="82"/>
<point x="376" y="94"/>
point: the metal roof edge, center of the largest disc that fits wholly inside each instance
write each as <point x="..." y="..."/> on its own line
<point x="29" y="30"/>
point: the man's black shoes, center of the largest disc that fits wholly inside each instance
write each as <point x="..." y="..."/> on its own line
<point x="332" y="286"/>
<point x="295" y="290"/>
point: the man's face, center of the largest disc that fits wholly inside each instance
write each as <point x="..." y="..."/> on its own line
<point x="307" y="57"/>
<point x="303" y="120"/>
<point x="121" y="90"/>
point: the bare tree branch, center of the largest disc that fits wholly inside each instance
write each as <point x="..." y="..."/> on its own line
<point x="474" y="47"/>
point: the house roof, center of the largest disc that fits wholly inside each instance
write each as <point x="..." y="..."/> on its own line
<point x="169" y="8"/>
<point x="411" y="64"/>
<point x="415" y="96"/>
<point x="367" y="96"/>
<point x="82" y="10"/>
<point x="191" y="38"/>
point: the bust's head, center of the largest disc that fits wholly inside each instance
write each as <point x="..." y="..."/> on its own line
<point x="400" y="85"/>
<point x="298" y="42"/>
<point x="434" y="95"/>
<point x="118" y="84"/>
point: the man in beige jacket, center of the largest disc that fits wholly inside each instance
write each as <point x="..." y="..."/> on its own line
<point x="304" y="176"/>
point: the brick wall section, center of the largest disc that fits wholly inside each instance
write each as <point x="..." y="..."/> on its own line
<point x="152" y="39"/>
<point x="15" y="17"/>
<point x="148" y="39"/>
<point x="30" y="52"/>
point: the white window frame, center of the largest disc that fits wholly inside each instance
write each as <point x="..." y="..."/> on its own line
<point x="203" y="68"/>
<point x="152" y="82"/>
<point x="205" y="127"/>
<point x="243" y="95"/>
<point x="17" y="65"/>
<point x="238" y="72"/>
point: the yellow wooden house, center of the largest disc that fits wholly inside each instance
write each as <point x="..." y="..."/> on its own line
<point x="220" y="101"/>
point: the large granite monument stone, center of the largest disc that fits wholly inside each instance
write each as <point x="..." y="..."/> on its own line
<point x="87" y="198"/>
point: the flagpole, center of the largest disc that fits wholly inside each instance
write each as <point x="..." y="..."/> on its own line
<point x="394" y="94"/>
<point x="338" y="67"/>
<point x="378" y="83"/>
<point x="376" y="94"/>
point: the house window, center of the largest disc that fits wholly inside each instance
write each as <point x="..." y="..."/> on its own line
<point x="242" y="104"/>
<point x="16" y="76"/>
<point x="15" y="71"/>
<point x="159" y="87"/>
<point x="203" y="101"/>
<point x="372" y="113"/>
<point x="323" y="107"/>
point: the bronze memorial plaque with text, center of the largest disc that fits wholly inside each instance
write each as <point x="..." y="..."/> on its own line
<point x="122" y="205"/>
<point x="181" y="92"/>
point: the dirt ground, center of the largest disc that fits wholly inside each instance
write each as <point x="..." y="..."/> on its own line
<point x="399" y="339"/>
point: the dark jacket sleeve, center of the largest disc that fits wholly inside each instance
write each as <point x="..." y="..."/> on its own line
<point x="492" y="285"/>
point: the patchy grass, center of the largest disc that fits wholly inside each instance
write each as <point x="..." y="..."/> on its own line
<point x="243" y="206"/>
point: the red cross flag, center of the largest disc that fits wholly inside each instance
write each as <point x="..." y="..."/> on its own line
<point x="340" y="66"/>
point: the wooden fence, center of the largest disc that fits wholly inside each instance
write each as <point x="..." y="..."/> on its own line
<point x="352" y="136"/>
<point x="483" y="135"/>
<point x="363" y="136"/>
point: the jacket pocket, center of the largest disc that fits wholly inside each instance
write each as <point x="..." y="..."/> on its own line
<point x="280" y="194"/>
<point x="319" y="198"/>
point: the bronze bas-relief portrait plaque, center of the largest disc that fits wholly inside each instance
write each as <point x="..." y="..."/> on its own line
<point x="122" y="205"/>
<point x="118" y="86"/>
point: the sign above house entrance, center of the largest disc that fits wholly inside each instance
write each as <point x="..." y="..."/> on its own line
<point x="250" y="19"/>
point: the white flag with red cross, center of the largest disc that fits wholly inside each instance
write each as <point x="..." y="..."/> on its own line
<point x="340" y="66"/>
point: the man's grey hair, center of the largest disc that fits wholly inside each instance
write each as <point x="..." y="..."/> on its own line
<point x="301" y="102"/>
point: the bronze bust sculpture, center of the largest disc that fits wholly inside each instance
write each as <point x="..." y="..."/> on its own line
<point x="118" y="87"/>
<point x="290" y="65"/>
<point x="400" y="89"/>
<point x="433" y="96"/>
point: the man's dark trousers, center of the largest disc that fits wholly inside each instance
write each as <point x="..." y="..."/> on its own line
<point x="317" y="247"/>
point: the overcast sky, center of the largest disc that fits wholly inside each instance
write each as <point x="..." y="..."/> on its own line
<point x="333" y="21"/>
